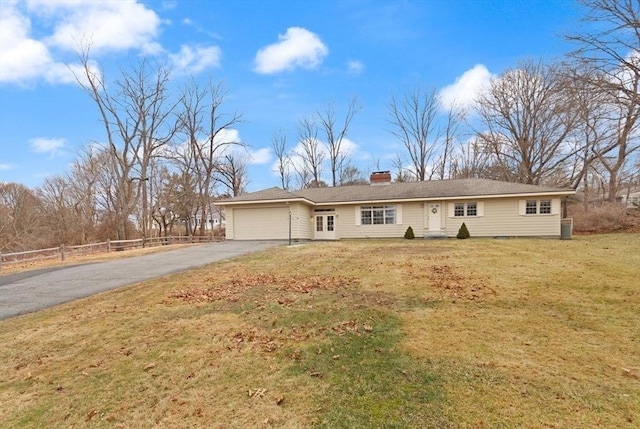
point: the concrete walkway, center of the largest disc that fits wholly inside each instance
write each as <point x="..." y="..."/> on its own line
<point x="34" y="290"/>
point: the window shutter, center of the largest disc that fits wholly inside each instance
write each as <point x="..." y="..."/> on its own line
<point x="358" y="217"/>
<point x="555" y="206"/>
<point x="399" y="214"/>
<point x="522" y="207"/>
<point x="451" y="209"/>
<point x="480" y="205"/>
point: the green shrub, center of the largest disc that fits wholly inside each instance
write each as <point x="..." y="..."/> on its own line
<point x="463" y="232"/>
<point x="409" y="234"/>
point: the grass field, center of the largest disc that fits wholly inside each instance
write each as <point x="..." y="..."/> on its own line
<point x="476" y="333"/>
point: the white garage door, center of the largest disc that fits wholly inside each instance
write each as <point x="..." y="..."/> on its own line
<point x="261" y="224"/>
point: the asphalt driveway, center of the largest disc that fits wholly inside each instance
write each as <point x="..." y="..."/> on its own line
<point x="34" y="290"/>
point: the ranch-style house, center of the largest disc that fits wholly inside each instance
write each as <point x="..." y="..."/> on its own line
<point x="437" y="208"/>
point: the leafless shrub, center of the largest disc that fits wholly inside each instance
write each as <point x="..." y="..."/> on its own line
<point x="608" y="217"/>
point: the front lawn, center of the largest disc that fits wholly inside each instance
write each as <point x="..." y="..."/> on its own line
<point x="355" y="334"/>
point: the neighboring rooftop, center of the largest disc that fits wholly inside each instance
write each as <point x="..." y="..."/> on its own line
<point x="400" y="191"/>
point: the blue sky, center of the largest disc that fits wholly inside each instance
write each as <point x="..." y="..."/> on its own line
<point x="278" y="59"/>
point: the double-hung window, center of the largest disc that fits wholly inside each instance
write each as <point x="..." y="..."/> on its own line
<point x="472" y="209"/>
<point x="377" y="215"/>
<point x="545" y="207"/>
<point x="465" y="209"/>
<point x="531" y="207"/>
<point x="534" y="207"/>
<point x="458" y="209"/>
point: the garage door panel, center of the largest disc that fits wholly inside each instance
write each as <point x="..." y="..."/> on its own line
<point x="261" y="224"/>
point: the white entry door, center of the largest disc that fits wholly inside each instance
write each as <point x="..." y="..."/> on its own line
<point x="325" y="227"/>
<point x="435" y="217"/>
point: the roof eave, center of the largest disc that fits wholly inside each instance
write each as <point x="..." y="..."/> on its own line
<point x="443" y="198"/>
<point x="272" y="201"/>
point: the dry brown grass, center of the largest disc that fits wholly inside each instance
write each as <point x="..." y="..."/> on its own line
<point x="473" y="333"/>
<point x="556" y="346"/>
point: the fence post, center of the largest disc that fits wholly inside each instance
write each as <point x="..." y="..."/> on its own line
<point x="62" y="252"/>
<point x="108" y="245"/>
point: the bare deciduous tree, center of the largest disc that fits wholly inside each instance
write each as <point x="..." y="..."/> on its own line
<point x="335" y="135"/>
<point x="208" y="134"/>
<point x="611" y="52"/>
<point x="528" y="119"/>
<point x="455" y="117"/>
<point x="233" y="173"/>
<point x="83" y="179"/>
<point x="135" y="113"/>
<point x="22" y="221"/>
<point x="149" y="90"/>
<point x="283" y="159"/>
<point x="403" y="174"/>
<point x="57" y="198"/>
<point x="351" y="175"/>
<point x="413" y="120"/>
<point x="614" y="44"/>
<point x="311" y="154"/>
<point x="470" y="161"/>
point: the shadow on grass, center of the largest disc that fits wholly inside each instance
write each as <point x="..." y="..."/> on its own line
<point x="372" y="384"/>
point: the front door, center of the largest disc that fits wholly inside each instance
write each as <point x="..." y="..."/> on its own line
<point x="435" y="217"/>
<point x="325" y="227"/>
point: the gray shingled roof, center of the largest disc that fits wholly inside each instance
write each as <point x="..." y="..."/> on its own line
<point x="270" y="194"/>
<point x="400" y="191"/>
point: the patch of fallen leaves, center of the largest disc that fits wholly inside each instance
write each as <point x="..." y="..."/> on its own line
<point x="276" y="339"/>
<point x="266" y="341"/>
<point x="232" y="289"/>
<point x="352" y="326"/>
<point x="447" y="279"/>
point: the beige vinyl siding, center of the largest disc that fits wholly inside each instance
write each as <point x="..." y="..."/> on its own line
<point x="301" y="221"/>
<point x="228" y="216"/>
<point x="264" y="222"/>
<point x="407" y="214"/>
<point x="501" y="217"/>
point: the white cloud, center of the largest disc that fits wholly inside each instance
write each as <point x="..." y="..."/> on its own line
<point x="7" y="167"/>
<point x="227" y="135"/>
<point x="260" y="156"/>
<point x="298" y="47"/>
<point x="224" y="142"/>
<point x="348" y="147"/>
<point x="624" y="73"/>
<point x="355" y="67"/>
<point x="22" y="58"/>
<point x="110" y="25"/>
<point x="466" y="88"/>
<point x="169" y="4"/>
<point x="193" y="60"/>
<point x="69" y="73"/>
<point x="52" y="147"/>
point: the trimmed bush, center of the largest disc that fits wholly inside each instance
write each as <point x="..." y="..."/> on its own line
<point x="463" y="232"/>
<point x="409" y="234"/>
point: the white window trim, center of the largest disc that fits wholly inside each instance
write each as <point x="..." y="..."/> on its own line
<point x="555" y="207"/>
<point x="451" y="212"/>
<point x="358" y="214"/>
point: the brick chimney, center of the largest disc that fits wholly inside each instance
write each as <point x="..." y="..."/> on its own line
<point x="380" y="178"/>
